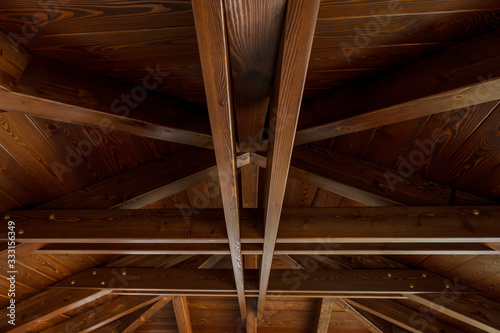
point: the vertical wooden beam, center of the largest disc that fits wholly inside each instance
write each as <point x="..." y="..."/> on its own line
<point x="323" y="314"/>
<point x="147" y="314"/>
<point x="250" y="186"/>
<point x="251" y="323"/>
<point x="182" y="314"/>
<point x="297" y="36"/>
<point x="212" y="42"/>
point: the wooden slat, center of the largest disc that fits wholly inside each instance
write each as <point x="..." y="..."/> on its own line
<point x="251" y="323"/>
<point x="182" y="314"/>
<point x="320" y="282"/>
<point x="251" y="251"/>
<point x="13" y="61"/>
<point x="250" y="186"/>
<point x="402" y="316"/>
<point x="367" y="182"/>
<point x="367" y="319"/>
<point x="291" y="70"/>
<point x="143" y="185"/>
<point x="104" y="314"/>
<point x="323" y="315"/>
<point x="145" y="315"/>
<point x="254" y="29"/>
<point x="211" y="25"/>
<point x="427" y="87"/>
<point x="474" y="310"/>
<point x="51" y="90"/>
<point x="46" y="305"/>
<point x="452" y="224"/>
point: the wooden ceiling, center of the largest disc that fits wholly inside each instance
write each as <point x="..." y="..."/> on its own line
<point x="354" y="186"/>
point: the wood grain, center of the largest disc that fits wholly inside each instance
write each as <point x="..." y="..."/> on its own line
<point x="13" y="61"/>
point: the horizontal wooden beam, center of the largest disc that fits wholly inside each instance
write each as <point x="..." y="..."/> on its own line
<point x="475" y="310"/>
<point x="321" y="282"/>
<point x="218" y="250"/>
<point x="447" y="81"/>
<point x="451" y="224"/>
<point x="52" y="90"/>
<point x="367" y="182"/>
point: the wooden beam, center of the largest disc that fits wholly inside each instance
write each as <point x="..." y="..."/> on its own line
<point x="290" y="76"/>
<point x="447" y="81"/>
<point x="451" y="224"/>
<point x="103" y="314"/>
<point x="182" y="314"/>
<point x="145" y="315"/>
<point x="46" y="305"/>
<point x="251" y="251"/>
<point x="211" y="26"/>
<point x="250" y="186"/>
<point x="320" y="282"/>
<point x="252" y="323"/>
<point x="254" y="29"/>
<point x="323" y="315"/>
<point x="13" y="61"/>
<point x="366" y="319"/>
<point x="474" y="310"/>
<point x="402" y="316"/>
<point x="212" y="261"/>
<point x="367" y="182"/>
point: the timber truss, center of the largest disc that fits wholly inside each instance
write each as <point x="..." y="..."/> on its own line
<point x="413" y="216"/>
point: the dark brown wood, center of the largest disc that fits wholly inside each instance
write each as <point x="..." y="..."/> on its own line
<point x="291" y="70"/>
<point x="211" y="26"/>
<point x="418" y="90"/>
<point x="451" y="224"/>
<point x="250" y="186"/>
<point x="475" y="310"/>
<point x="323" y="315"/>
<point x="104" y="314"/>
<point x="145" y="315"/>
<point x="320" y="282"/>
<point x="13" y="61"/>
<point x="373" y="323"/>
<point x="402" y="316"/>
<point x="182" y="314"/>
<point x="64" y="93"/>
<point x="145" y="184"/>
<point x="370" y="183"/>
<point x="46" y="305"/>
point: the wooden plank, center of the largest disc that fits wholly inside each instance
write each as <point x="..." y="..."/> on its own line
<point x="211" y="25"/>
<point x="290" y="76"/>
<point x="13" y="61"/>
<point x="475" y="80"/>
<point x="145" y="315"/>
<point x="402" y="316"/>
<point x="251" y="251"/>
<point x="372" y="323"/>
<point x="143" y="185"/>
<point x="370" y="183"/>
<point x="254" y="28"/>
<point x="51" y="90"/>
<point x="182" y="314"/>
<point x="475" y="310"/>
<point x="46" y="305"/>
<point x="450" y="224"/>
<point x="323" y="315"/>
<point x="250" y="186"/>
<point x="319" y="282"/>
<point x="104" y="314"/>
<point x="251" y="323"/>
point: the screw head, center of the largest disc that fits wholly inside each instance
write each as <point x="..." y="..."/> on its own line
<point x="412" y="286"/>
<point x="124" y="273"/>
<point x="73" y="282"/>
<point x="21" y="231"/>
<point x="447" y="286"/>
<point x="476" y="212"/>
<point x="424" y="275"/>
<point x="6" y="217"/>
<point x="52" y="216"/>
<point x="389" y="274"/>
<point x="103" y="283"/>
<point x="94" y="273"/>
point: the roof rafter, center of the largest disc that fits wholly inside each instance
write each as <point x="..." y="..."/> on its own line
<point x="182" y="314"/>
<point x="51" y="90"/>
<point x="451" y="80"/>
<point x="210" y="22"/>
